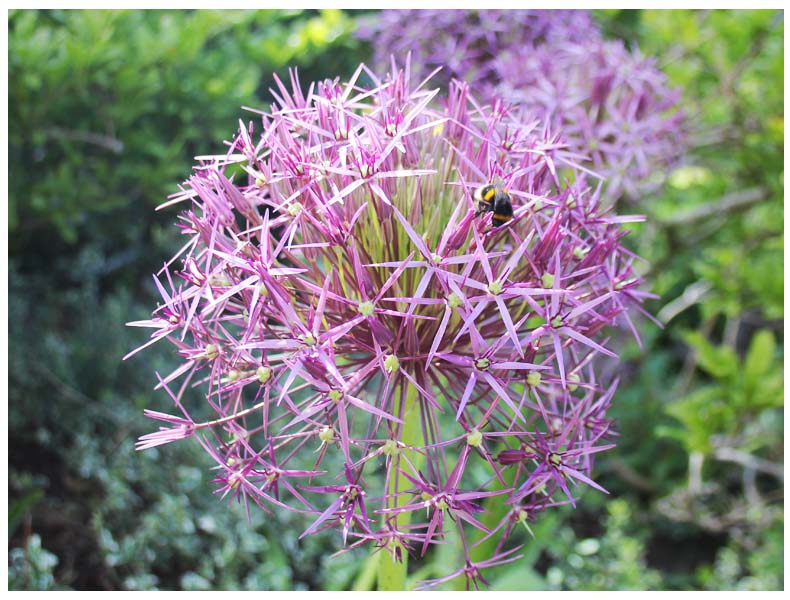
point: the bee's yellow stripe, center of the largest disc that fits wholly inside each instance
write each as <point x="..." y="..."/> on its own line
<point x="504" y="218"/>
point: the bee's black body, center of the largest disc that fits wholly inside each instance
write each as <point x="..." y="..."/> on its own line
<point x="493" y="198"/>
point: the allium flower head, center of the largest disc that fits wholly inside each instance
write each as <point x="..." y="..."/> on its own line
<point x="611" y="105"/>
<point x="377" y="355"/>
<point x="466" y="43"/>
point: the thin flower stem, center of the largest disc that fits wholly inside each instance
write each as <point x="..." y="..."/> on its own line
<point x="392" y="574"/>
<point x="232" y="417"/>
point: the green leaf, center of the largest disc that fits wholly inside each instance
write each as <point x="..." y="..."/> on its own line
<point x="18" y="509"/>
<point x="703" y="413"/>
<point x="719" y="361"/>
<point x="519" y="578"/>
<point x="760" y="356"/>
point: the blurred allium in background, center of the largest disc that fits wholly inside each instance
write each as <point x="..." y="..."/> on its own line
<point x="612" y="105"/>
<point x="467" y="43"/>
<point x="375" y="355"/>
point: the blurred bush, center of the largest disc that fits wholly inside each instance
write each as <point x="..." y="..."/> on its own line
<point x="107" y="108"/>
<point x="106" y="111"/>
<point x="701" y="407"/>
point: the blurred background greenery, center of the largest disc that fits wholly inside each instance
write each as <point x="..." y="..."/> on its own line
<point x="107" y="110"/>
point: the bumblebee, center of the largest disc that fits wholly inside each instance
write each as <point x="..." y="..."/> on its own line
<point x="494" y="198"/>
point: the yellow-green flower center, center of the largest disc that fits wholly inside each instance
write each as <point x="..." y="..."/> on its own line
<point x="366" y="308"/>
<point x="482" y="363"/>
<point x="326" y="435"/>
<point x="474" y="438"/>
<point x="235" y="479"/>
<point x="454" y="301"/>
<point x="574" y="377"/>
<point x="495" y="288"/>
<point x="391" y="363"/>
<point x="263" y="373"/>
<point x="308" y="339"/>
<point x="390" y="448"/>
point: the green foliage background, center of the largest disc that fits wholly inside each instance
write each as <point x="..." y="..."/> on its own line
<point x="106" y="111"/>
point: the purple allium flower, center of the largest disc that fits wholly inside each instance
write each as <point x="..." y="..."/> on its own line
<point x="466" y="43"/>
<point x="611" y="105"/>
<point x="374" y="354"/>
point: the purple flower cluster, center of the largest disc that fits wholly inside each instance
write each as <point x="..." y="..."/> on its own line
<point x="376" y="354"/>
<point x="466" y="43"/>
<point x="612" y="105"/>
